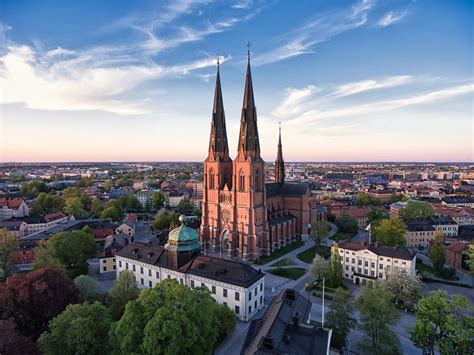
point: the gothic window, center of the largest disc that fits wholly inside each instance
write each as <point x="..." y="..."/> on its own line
<point x="257" y="180"/>
<point x="211" y="179"/>
<point x="241" y="181"/>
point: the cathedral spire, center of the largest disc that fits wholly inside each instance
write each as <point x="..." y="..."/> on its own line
<point x="279" y="163"/>
<point x="249" y="145"/>
<point x="218" y="146"/>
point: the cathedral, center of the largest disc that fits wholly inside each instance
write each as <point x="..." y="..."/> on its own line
<point x="242" y="214"/>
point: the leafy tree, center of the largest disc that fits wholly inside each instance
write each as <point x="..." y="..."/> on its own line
<point x="319" y="267"/>
<point x="75" y="206"/>
<point x="32" y="300"/>
<point x="405" y="287"/>
<point x="319" y="231"/>
<point x="158" y="200"/>
<point x="88" y="230"/>
<point x="391" y="232"/>
<point x="8" y="244"/>
<point x="79" y="329"/>
<point x="124" y="291"/>
<point x="437" y="251"/>
<point x="72" y="249"/>
<point x="85" y="181"/>
<point x="162" y="221"/>
<point x="45" y="257"/>
<point x="47" y="202"/>
<point x="377" y="315"/>
<point x="347" y="224"/>
<point x="89" y="289"/>
<point x="396" y="197"/>
<point x="111" y="212"/>
<point x="340" y="317"/>
<point x="225" y="320"/>
<point x="169" y="319"/>
<point x="13" y="343"/>
<point x="184" y="207"/>
<point x="376" y="214"/>
<point x="470" y="260"/>
<point x="416" y="209"/>
<point x="444" y="321"/>
<point x="97" y="207"/>
<point x="362" y="199"/>
<point x="33" y="188"/>
<point x="334" y="273"/>
<point x="108" y="184"/>
<point x="130" y="203"/>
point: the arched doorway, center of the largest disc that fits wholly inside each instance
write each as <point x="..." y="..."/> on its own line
<point x="224" y="241"/>
<point x="357" y="280"/>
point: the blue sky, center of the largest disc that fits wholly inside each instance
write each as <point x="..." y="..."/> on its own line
<point x="122" y="80"/>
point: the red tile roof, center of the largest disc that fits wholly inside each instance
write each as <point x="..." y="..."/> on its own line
<point x="11" y="202"/>
<point x="458" y="246"/>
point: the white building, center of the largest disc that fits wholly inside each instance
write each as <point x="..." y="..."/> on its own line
<point x="174" y="199"/>
<point x="40" y="223"/>
<point x="237" y="285"/>
<point x="364" y="263"/>
<point x="144" y="197"/>
<point x="13" y="207"/>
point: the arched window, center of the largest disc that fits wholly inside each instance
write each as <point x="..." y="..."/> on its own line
<point x="211" y="179"/>
<point x="257" y="180"/>
<point x="241" y="181"/>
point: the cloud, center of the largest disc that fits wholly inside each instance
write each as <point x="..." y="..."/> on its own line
<point x="391" y="18"/>
<point x="291" y="105"/>
<point x="320" y="29"/>
<point x="245" y="4"/>
<point x="367" y="85"/>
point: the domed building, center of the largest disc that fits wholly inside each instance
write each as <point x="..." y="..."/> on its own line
<point x="236" y="284"/>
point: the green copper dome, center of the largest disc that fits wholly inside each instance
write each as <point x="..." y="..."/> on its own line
<point x="183" y="238"/>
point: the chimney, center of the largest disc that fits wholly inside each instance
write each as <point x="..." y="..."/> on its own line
<point x="296" y="320"/>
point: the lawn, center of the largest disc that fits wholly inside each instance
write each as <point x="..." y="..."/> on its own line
<point x="293" y="273"/>
<point x="280" y="252"/>
<point x="430" y="272"/>
<point x="308" y="255"/>
<point x="342" y="236"/>
<point x="284" y="262"/>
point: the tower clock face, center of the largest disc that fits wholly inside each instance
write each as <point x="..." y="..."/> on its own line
<point x="225" y="216"/>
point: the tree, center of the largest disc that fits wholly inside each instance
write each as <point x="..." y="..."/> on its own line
<point x="13" y="343"/>
<point x="108" y="184"/>
<point x="8" y="244"/>
<point x="415" y="210"/>
<point x="97" y="207"/>
<point x="376" y="214"/>
<point x="364" y="199"/>
<point x="184" y="207"/>
<point x="347" y="224"/>
<point x="340" y="317"/>
<point x="396" y="197"/>
<point x="405" y="287"/>
<point x="75" y="206"/>
<point x="80" y="329"/>
<point x="377" y="315"/>
<point x="334" y="273"/>
<point x="72" y="249"/>
<point x="391" y="232"/>
<point x="437" y="251"/>
<point x="89" y="289"/>
<point x="319" y="230"/>
<point x="470" y="260"/>
<point x="225" y="320"/>
<point x="158" y="200"/>
<point x="130" y="203"/>
<point x="45" y="257"/>
<point x="124" y="291"/>
<point x="170" y="318"/>
<point x="319" y="267"/>
<point x="33" y="299"/>
<point x="162" y="221"/>
<point x="33" y="188"/>
<point x="111" y="212"/>
<point x="444" y="321"/>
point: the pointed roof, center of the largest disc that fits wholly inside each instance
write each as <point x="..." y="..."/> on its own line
<point x="249" y="144"/>
<point x="279" y="163"/>
<point x="280" y="150"/>
<point x="218" y="146"/>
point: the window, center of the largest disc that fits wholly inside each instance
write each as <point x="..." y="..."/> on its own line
<point x="181" y="281"/>
<point x="396" y="261"/>
<point x="225" y="304"/>
<point x="224" y="292"/>
<point x="359" y="270"/>
<point x="141" y="270"/>
<point x="380" y="275"/>
<point x="126" y="266"/>
<point x="241" y="181"/>
<point x="114" y="267"/>
<point x="371" y="273"/>
<point x="261" y="299"/>
<point x="256" y="291"/>
<point x="372" y="264"/>
<point x="257" y="180"/>
<point x="105" y="268"/>
<point x="353" y="260"/>
<point x="149" y="273"/>
<point x="120" y="263"/>
<point x="347" y="267"/>
<point x="133" y="267"/>
<point x="380" y="266"/>
<point x="261" y="287"/>
<point x="366" y="263"/>
<point x="214" y="290"/>
<point x="237" y="310"/>
<point x="381" y="259"/>
<point x="255" y="304"/>
<point x="141" y="281"/>
<point x="250" y="309"/>
<point x="250" y="296"/>
<point x="202" y="284"/>
<point x="360" y="262"/>
<point x="237" y="296"/>
<point x="353" y="268"/>
<point x="150" y="284"/>
<point x="104" y="260"/>
<point x="192" y="283"/>
<point x="168" y="276"/>
<point x="157" y="275"/>
<point x="211" y="179"/>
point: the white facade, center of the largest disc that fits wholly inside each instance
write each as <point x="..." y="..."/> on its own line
<point x="40" y="226"/>
<point x="7" y="212"/>
<point x="173" y="200"/>
<point x="364" y="264"/>
<point x="244" y="302"/>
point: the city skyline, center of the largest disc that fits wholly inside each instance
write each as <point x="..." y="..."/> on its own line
<point x="350" y="81"/>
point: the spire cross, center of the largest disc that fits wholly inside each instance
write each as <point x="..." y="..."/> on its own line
<point x="279" y="126"/>
<point x="218" y="60"/>
<point x="248" y="50"/>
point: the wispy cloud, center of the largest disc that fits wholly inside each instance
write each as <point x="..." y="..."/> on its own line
<point x="391" y="18"/>
<point x="368" y="85"/>
<point x="244" y="4"/>
<point x="291" y="105"/>
<point x="320" y="29"/>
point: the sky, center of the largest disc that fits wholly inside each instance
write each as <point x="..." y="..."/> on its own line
<point x="365" y="80"/>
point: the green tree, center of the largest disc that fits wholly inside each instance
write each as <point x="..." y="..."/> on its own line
<point x="89" y="288"/>
<point x="111" y="212"/>
<point x="184" y="207"/>
<point x="225" y="320"/>
<point x="470" y="260"/>
<point x="162" y="221"/>
<point x="169" y="319"/>
<point x="391" y="232"/>
<point x="362" y="199"/>
<point x="79" y="329"/>
<point x="75" y="206"/>
<point x="8" y="244"/>
<point x="437" y="251"/>
<point x="334" y="273"/>
<point x="33" y="188"/>
<point x="319" y="231"/>
<point x="124" y="291"/>
<point x="396" y="197"/>
<point x="444" y="321"/>
<point x="405" y="287"/>
<point x="130" y="203"/>
<point x="108" y="184"/>
<point x="376" y="214"/>
<point x="319" y="267"/>
<point x="85" y="181"/>
<point x="377" y="315"/>
<point x="72" y="249"/>
<point x="340" y="317"/>
<point x="416" y="209"/>
<point x="97" y="207"/>
<point x="45" y="257"/>
<point x="346" y="223"/>
<point x="158" y="200"/>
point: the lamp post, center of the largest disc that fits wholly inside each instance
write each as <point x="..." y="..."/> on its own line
<point x="322" y="311"/>
<point x="311" y="303"/>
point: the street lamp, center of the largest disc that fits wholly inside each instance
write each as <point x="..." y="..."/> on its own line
<point x="309" y="299"/>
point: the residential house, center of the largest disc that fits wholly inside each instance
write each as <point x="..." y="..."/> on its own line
<point x="456" y="254"/>
<point x="13" y="207"/>
<point x="16" y="228"/>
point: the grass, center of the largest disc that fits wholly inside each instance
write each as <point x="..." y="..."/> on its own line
<point x="279" y="252"/>
<point x="284" y="262"/>
<point x="342" y="235"/>
<point x="430" y="272"/>
<point x="308" y="255"/>
<point x="293" y="273"/>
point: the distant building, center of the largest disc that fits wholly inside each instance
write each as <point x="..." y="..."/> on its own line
<point x="174" y="198"/>
<point x="456" y="254"/>
<point x="360" y="214"/>
<point x="16" y="228"/>
<point x="420" y="233"/>
<point x="40" y="223"/>
<point x="145" y="197"/>
<point x="456" y="201"/>
<point x="396" y="207"/>
<point x="446" y="224"/>
<point x="364" y="263"/>
<point x="127" y="228"/>
<point x="237" y="285"/>
<point x="13" y="207"/>
<point x="283" y="329"/>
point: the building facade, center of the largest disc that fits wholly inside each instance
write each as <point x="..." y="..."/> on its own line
<point x="241" y="214"/>
<point x="13" y="207"/>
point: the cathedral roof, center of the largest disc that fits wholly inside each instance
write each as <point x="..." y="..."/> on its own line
<point x="274" y="189"/>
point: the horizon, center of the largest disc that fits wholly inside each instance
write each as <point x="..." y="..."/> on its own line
<point x="352" y="82"/>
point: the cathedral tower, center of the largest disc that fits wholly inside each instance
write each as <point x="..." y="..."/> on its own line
<point x="279" y="163"/>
